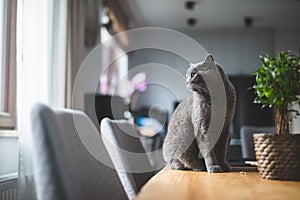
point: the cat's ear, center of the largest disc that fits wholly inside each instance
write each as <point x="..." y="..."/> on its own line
<point x="209" y="59"/>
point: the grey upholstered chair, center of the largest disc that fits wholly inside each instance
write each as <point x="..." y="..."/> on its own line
<point x="127" y="153"/>
<point x="64" y="169"/>
<point x="247" y="139"/>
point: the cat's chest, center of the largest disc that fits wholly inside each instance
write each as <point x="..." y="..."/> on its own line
<point x="201" y="111"/>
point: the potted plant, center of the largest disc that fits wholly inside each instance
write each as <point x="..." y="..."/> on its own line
<point x="278" y="86"/>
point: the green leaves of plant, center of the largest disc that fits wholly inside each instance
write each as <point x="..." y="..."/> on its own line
<point x="278" y="80"/>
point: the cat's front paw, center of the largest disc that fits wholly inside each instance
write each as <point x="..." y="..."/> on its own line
<point x="177" y="165"/>
<point x="214" y="169"/>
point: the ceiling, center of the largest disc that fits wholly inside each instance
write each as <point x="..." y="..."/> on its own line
<point x="217" y="13"/>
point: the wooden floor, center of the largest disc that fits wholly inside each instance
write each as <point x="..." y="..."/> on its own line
<point x="241" y="184"/>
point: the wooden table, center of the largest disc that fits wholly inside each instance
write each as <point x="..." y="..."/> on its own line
<point x="241" y="184"/>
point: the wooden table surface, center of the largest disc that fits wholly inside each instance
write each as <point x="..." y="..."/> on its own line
<point x="241" y="184"/>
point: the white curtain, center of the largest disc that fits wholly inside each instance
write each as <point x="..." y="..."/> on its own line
<point x="41" y="73"/>
<point x="58" y="51"/>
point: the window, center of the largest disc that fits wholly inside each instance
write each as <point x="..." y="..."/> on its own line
<point x="7" y="64"/>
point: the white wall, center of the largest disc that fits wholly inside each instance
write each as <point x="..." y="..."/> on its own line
<point x="8" y="155"/>
<point x="287" y="40"/>
<point x="236" y="50"/>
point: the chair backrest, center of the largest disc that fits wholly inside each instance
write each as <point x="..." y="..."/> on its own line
<point x="247" y="139"/>
<point x="127" y="153"/>
<point x="63" y="167"/>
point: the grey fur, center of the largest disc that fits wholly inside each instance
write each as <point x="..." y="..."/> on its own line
<point x="186" y="137"/>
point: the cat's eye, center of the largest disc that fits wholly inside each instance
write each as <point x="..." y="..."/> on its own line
<point x="193" y="74"/>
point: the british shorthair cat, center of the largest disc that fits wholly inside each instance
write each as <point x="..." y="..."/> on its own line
<point x="186" y="139"/>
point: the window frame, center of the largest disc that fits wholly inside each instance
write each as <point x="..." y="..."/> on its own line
<point x="8" y="118"/>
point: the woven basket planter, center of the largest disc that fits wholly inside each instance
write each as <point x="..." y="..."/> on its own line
<point x="278" y="156"/>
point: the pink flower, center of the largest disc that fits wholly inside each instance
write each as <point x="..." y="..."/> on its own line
<point x="139" y="82"/>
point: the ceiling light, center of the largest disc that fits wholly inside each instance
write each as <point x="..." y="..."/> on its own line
<point x="248" y="22"/>
<point x="190" y="5"/>
<point x="191" y="21"/>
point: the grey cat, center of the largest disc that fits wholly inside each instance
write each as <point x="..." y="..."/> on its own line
<point x="187" y="139"/>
